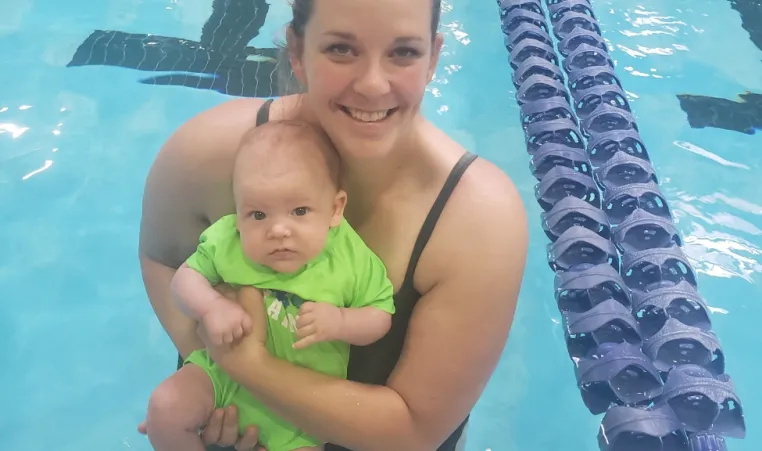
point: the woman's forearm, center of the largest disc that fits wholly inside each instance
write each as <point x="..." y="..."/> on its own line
<point x="181" y="329"/>
<point x="357" y="416"/>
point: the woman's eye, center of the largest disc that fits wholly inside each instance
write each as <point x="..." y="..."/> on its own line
<point x="406" y="52"/>
<point x="301" y="211"/>
<point x="258" y="215"/>
<point x="340" y="49"/>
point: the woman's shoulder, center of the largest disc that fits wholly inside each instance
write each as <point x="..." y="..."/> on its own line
<point x="482" y="188"/>
<point x="214" y="132"/>
<point x="207" y="141"/>
<point x="188" y="184"/>
<point x="487" y="200"/>
<point x="484" y="215"/>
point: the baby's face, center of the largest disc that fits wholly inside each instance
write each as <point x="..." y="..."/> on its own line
<point x="284" y="216"/>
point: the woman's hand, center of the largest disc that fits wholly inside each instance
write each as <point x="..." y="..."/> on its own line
<point x="251" y="346"/>
<point x="222" y="430"/>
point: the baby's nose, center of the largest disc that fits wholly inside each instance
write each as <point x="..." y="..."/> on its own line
<point x="279" y="230"/>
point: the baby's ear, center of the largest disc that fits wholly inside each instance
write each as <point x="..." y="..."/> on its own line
<point x="339" y="202"/>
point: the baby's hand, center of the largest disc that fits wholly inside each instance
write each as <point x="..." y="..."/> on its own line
<point x="317" y="322"/>
<point x="226" y="323"/>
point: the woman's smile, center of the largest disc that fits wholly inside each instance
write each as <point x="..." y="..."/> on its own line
<point x="367" y="116"/>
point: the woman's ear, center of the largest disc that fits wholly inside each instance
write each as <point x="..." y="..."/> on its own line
<point x="295" y="48"/>
<point x="435" y="51"/>
<point x="339" y="202"/>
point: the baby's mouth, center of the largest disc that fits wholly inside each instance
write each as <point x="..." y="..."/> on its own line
<point x="368" y="116"/>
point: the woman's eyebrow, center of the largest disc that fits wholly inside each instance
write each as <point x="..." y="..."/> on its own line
<point x="351" y="37"/>
<point x="408" y="39"/>
<point x="341" y="34"/>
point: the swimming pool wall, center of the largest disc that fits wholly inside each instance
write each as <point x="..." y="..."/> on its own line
<point x="635" y="325"/>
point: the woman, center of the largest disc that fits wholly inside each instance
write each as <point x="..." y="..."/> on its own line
<point x="450" y="228"/>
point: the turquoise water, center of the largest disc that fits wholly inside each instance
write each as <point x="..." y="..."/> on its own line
<point x="76" y="143"/>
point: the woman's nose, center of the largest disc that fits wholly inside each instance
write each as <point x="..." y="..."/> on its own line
<point x="373" y="81"/>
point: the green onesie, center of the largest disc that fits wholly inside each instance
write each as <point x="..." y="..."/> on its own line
<point x="346" y="274"/>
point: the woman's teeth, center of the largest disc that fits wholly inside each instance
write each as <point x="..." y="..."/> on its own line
<point x="367" y="116"/>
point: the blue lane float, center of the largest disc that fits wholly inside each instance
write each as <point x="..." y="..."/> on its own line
<point x="635" y="325"/>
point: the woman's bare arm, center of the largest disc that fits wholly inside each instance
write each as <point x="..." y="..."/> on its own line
<point x="189" y="177"/>
<point x="180" y="328"/>
<point x="456" y="336"/>
<point x="168" y="233"/>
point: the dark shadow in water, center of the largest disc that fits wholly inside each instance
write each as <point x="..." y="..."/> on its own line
<point x="221" y="61"/>
<point x="743" y="115"/>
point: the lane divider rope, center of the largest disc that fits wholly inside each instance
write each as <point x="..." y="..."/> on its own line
<point x="635" y="325"/>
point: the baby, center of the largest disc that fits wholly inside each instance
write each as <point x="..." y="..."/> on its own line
<point x="289" y="239"/>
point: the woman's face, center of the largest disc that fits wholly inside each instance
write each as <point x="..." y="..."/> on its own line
<point x="366" y="64"/>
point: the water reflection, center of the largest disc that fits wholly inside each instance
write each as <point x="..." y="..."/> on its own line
<point x="705" y="153"/>
<point x="721" y="256"/>
<point x="32" y="135"/>
<point x="719" y="250"/>
<point x="45" y="166"/>
<point x="14" y="130"/>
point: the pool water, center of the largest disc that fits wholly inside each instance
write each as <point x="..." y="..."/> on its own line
<point x="76" y="143"/>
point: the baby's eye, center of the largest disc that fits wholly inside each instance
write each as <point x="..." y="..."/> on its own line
<point x="258" y="215"/>
<point x="301" y="211"/>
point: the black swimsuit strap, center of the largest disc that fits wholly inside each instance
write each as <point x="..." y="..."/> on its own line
<point x="263" y="115"/>
<point x="436" y="211"/>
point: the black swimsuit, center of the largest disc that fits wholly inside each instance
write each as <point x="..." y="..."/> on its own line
<point x="374" y="363"/>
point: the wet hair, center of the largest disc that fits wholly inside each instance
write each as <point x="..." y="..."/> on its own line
<point x="284" y="142"/>
<point x="302" y="10"/>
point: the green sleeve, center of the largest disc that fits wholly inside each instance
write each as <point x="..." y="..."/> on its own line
<point x="203" y="259"/>
<point x="372" y="285"/>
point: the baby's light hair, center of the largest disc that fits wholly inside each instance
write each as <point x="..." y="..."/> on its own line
<point x="285" y="141"/>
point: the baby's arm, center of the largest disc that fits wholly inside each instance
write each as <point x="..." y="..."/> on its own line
<point x="194" y="293"/>
<point x="320" y="321"/>
<point x="364" y="325"/>
<point x="366" y="314"/>
<point x="225" y="321"/>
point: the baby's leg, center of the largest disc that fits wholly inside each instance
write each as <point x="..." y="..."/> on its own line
<point x="178" y="407"/>
<point x="311" y="448"/>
